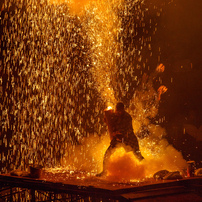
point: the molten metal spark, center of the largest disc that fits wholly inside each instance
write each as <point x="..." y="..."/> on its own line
<point x="61" y="69"/>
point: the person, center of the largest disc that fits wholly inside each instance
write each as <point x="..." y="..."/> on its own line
<point x="122" y="132"/>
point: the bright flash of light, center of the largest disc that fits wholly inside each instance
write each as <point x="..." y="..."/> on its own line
<point x="109" y="108"/>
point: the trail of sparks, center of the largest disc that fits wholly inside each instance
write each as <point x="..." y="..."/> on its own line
<point x="61" y="68"/>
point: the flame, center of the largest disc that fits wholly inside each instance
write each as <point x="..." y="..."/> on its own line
<point x="42" y="121"/>
<point x="160" y="68"/>
<point x="109" y="108"/>
<point x="125" y="166"/>
<point x="162" y="89"/>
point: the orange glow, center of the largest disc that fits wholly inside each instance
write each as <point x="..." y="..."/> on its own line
<point x="160" y="68"/>
<point x="162" y="89"/>
<point x="124" y="166"/>
<point x="55" y="106"/>
<point x="76" y="6"/>
<point x="108" y="108"/>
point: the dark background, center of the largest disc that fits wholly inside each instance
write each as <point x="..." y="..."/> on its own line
<point x="181" y="42"/>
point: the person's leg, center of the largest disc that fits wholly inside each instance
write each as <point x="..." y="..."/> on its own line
<point x="107" y="155"/>
<point x="132" y="141"/>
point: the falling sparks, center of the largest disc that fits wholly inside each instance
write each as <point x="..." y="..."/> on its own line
<point x="63" y="63"/>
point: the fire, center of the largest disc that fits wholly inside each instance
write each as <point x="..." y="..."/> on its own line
<point x="125" y="167"/>
<point x="109" y="108"/>
<point x="67" y="63"/>
<point x="162" y="89"/>
<point x="160" y="68"/>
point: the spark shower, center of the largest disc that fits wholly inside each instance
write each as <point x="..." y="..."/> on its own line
<point x="63" y="63"/>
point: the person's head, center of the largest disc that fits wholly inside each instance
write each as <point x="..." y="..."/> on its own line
<point x="119" y="108"/>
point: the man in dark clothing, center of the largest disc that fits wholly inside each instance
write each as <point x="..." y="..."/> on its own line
<point x="121" y="132"/>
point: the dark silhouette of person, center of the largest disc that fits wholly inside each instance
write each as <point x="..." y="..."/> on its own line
<point x="121" y="131"/>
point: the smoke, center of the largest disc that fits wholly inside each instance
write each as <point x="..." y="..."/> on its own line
<point x="123" y="166"/>
<point x="88" y="156"/>
<point x="41" y="113"/>
<point x="158" y="153"/>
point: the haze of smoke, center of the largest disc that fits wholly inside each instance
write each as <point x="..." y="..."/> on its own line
<point x="88" y="156"/>
<point x="49" y="92"/>
<point x="123" y="166"/>
<point x="158" y="153"/>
